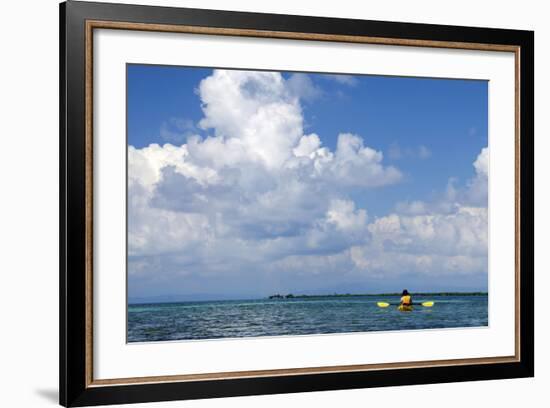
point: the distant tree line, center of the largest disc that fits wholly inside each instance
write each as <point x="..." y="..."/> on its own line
<point x="291" y="296"/>
<point x="278" y="296"/>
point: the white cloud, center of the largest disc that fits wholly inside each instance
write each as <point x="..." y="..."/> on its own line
<point x="145" y="165"/>
<point x="448" y="235"/>
<point x="477" y="192"/>
<point x="254" y="108"/>
<point x="432" y="245"/>
<point x="356" y="164"/>
<point x="462" y="232"/>
<point x="342" y="213"/>
<point x="482" y="162"/>
<point x="308" y="145"/>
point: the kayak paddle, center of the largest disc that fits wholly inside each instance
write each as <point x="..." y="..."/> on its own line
<point x="425" y="304"/>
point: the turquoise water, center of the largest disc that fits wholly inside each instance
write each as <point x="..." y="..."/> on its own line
<point x="253" y="318"/>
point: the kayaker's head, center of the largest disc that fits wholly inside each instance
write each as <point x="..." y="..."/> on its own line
<point x="405" y="292"/>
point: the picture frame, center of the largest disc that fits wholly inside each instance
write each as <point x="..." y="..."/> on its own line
<point x="79" y="21"/>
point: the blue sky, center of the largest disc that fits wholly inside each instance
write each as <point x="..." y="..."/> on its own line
<point x="405" y="149"/>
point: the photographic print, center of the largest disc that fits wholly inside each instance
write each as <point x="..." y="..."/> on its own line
<point x="285" y="203"/>
<point x="260" y="203"/>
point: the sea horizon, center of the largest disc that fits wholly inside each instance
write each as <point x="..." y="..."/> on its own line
<point x="280" y="296"/>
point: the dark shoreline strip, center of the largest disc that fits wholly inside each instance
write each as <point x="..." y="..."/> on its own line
<point x="291" y="296"/>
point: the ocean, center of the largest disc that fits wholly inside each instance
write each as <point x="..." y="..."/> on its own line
<point x="298" y="316"/>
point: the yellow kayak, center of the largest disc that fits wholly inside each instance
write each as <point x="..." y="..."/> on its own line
<point x="409" y="308"/>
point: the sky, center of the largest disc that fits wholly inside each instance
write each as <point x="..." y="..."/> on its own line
<point x="243" y="184"/>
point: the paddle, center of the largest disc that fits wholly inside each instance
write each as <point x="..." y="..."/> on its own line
<point x="425" y="304"/>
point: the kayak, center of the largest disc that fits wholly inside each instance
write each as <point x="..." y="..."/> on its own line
<point x="402" y="308"/>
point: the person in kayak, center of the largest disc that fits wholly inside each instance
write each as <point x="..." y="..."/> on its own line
<point x="406" y="300"/>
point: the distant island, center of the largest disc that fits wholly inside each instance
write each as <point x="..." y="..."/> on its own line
<point x="291" y="296"/>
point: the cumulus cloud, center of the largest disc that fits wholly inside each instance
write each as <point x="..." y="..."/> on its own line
<point x="462" y="232"/>
<point x="478" y="186"/>
<point x="256" y="111"/>
<point x="356" y="164"/>
<point x="448" y="235"/>
<point x="436" y="244"/>
<point x="342" y="213"/>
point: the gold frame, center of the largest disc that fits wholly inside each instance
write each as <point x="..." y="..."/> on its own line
<point x="99" y="24"/>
